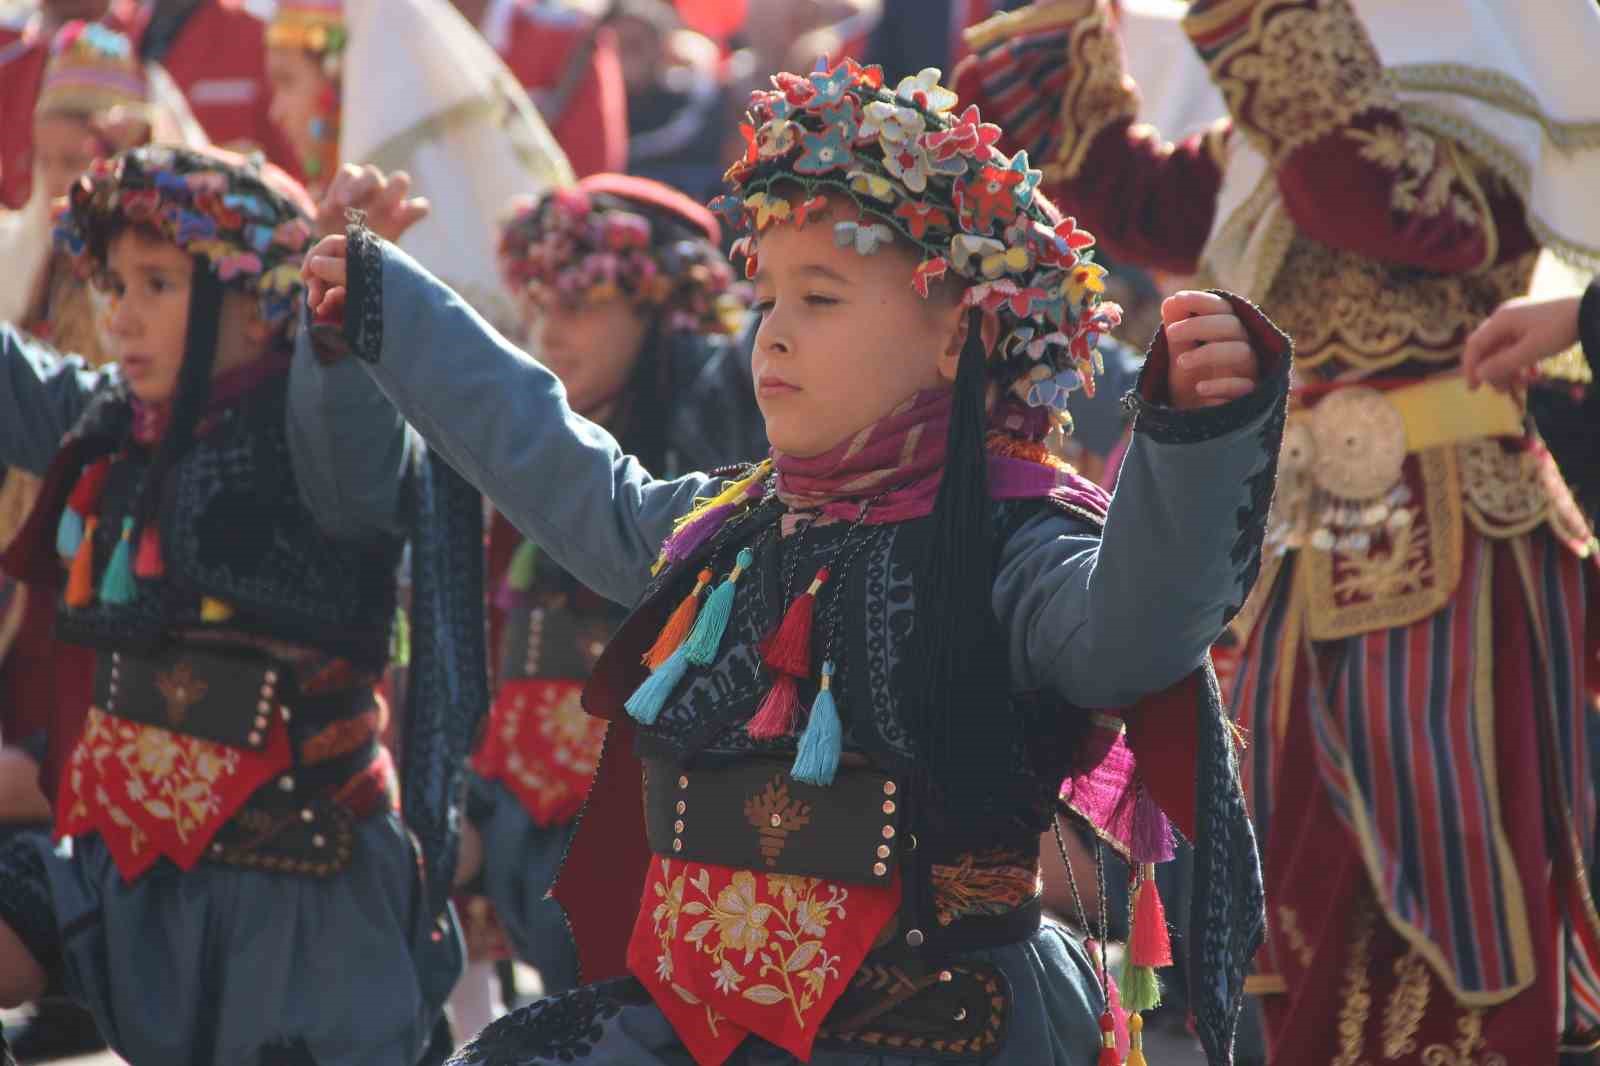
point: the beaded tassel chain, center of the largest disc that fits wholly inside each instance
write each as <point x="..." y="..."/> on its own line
<point x="1108" y="1025"/>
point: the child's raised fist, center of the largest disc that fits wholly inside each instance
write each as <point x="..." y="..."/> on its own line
<point x="325" y="277"/>
<point x="1212" y="360"/>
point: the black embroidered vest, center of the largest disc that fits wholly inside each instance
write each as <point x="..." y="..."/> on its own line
<point x="234" y="528"/>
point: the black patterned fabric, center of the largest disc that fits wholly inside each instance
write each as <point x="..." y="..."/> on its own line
<point x="1227" y="914"/>
<point x="363" y="320"/>
<point x="562" y="1028"/>
<point x="1251" y="519"/>
<point x="25" y="903"/>
<point x="448" y="687"/>
<point x="234" y="527"/>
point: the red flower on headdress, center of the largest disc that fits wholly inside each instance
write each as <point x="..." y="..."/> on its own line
<point x="796" y="90"/>
<point x="919" y="216"/>
<point x="870" y="77"/>
<point x="929" y="270"/>
<point x="1060" y="247"/>
<point x="140" y="205"/>
<point x="804" y="211"/>
<point x="989" y="198"/>
<point x="970" y="136"/>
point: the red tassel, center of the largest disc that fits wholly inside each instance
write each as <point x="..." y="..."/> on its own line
<point x="1108" y="1042"/>
<point x="1151" y="944"/>
<point x="779" y="713"/>
<point x="148" y="563"/>
<point x="787" y="652"/>
<point x="679" y="624"/>
<point x="85" y="497"/>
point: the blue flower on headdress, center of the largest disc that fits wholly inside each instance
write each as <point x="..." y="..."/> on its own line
<point x="1030" y="178"/>
<point x="1055" y="391"/>
<point x="245" y="204"/>
<point x="172" y="184"/>
<point x="730" y="207"/>
<point x="844" y="115"/>
<point x="830" y="87"/>
<point x="866" y="238"/>
<point x="824" y="152"/>
<point x="259" y="237"/>
<point x="106" y="41"/>
<point x="192" y="226"/>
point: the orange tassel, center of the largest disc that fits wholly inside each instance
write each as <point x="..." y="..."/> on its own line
<point x="80" y="579"/>
<point x="788" y="651"/>
<point x="149" y="564"/>
<point x="679" y="624"/>
<point x="1151" y="944"/>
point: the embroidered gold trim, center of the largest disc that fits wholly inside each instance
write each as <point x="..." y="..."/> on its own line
<point x="1356" y="1002"/>
<point x="1265" y="984"/>
<point x="1032" y="19"/>
<point x="1499" y="89"/>
<point x="1407" y="1004"/>
<point x="1350" y="593"/>
<point x="1469" y="1049"/>
<point x="1299" y="72"/>
<point x="1505" y="497"/>
<point x="1097" y="95"/>
<point x="1359" y="313"/>
<point x="1569" y="366"/>
<point x="1289" y="923"/>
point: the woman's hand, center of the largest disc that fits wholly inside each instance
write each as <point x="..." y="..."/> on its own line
<point x="1212" y="360"/>
<point x="326" y="276"/>
<point x="385" y="198"/>
<point x="1510" y="343"/>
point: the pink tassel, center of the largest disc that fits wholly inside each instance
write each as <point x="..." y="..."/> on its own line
<point x="779" y="713"/>
<point x="1152" y="833"/>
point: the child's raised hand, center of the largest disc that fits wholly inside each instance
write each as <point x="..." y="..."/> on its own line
<point x="325" y="277"/>
<point x="385" y="198"/>
<point x="1212" y="360"/>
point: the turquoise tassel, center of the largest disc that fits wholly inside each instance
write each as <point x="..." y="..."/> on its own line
<point x="706" y="639"/>
<point x="69" y="534"/>
<point x="116" y="585"/>
<point x="644" y="706"/>
<point x="818" y="758"/>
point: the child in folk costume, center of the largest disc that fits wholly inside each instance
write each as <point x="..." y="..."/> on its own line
<point x="858" y="675"/>
<point x="629" y="301"/>
<point x="233" y="883"/>
<point x="1417" y="666"/>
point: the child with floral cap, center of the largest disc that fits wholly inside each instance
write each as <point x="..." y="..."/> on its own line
<point x="861" y="677"/>
<point x="222" y="517"/>
<point x="629" y="300"/>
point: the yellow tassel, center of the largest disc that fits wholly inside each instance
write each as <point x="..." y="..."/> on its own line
<point x="1136" y="1041"/>
<point x="732" y="493"/>
<point x="212" y="610"/>
<point x="80" y="579"/>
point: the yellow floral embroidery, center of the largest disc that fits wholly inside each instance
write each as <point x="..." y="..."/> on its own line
<point x="1469" y="1048"/>
<point x="1407" y="1004"/>
<point x="1357" y="991"/>
<point x="1289" y="923"/>
<point x="570" y="741"/>
<point x="172" y="777"/>
<point x="762" y="937"/>
<point x="990" y="882"/>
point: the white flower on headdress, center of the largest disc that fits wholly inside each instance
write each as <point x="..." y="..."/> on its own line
<point x="865" y="238"/>
<point x="925" y="91"/>
<point x="776" y="138"/>
<point x="891" y="123"/>
<point x="909" y="163"/>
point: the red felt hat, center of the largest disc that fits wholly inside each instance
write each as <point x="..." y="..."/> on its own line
<point x="654" y="194"/>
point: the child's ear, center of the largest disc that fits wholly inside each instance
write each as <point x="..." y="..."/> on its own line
<point x="950" y="358"/>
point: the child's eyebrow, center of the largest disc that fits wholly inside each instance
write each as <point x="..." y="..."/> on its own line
<point x="826" y="272"/>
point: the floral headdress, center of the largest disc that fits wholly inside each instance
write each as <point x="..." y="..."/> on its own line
<point x="920" y="172"/>
<point x="93" y="71"/>
<point x="246" y="218"/>
<point x="613" y="235"/>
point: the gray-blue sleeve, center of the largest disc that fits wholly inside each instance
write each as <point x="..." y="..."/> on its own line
<point x="503" y="422"/>
<point x="347" y="444"/>
<point x="42" y="393"/>
<point x="1105" y="619"/>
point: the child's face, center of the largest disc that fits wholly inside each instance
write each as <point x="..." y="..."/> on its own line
<point x="843" y="338"/>
<point x="298" y="89"/>
<point x="63" y="148"/>
<point x="592" y="348"/>
<point x="146" y="287"/>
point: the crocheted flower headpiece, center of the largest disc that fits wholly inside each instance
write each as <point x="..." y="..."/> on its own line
<point x="315" y="26"/>
<point x="249" y="220"/>
<point x="93" y="71"/>
<point x="613" y="235"/>
<point x="919" y="172"/>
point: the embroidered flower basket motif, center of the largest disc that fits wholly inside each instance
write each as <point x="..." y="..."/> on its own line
<point x="728" y="952"/>
<point x="542" y="746"/>
<point x="149" y="792"/>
